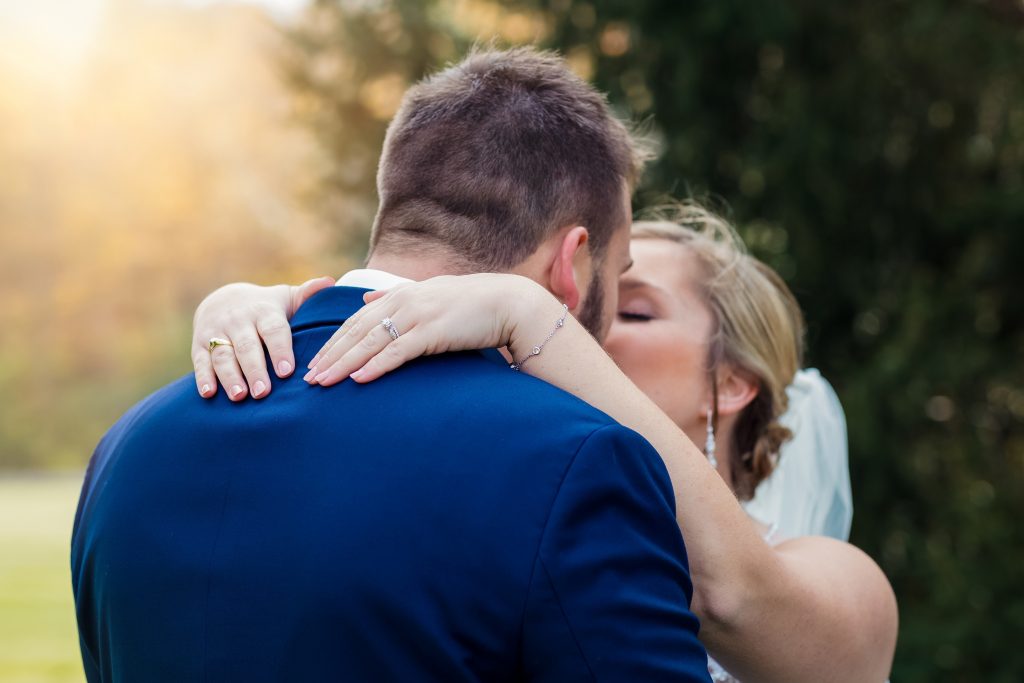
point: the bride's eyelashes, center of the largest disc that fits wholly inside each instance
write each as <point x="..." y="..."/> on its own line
<point x="627" y="316"/>
<point x="637" y="307"/>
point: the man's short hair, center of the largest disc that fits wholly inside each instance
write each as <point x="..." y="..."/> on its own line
<point x="488" y="158"/>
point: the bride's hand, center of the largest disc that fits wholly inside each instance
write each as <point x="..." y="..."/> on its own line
<point x="447" y="313"/>
<point x="250" y="317"/>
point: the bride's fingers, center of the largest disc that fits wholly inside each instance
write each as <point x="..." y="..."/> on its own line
<point x="350" y="326"/>
<point x="276" y="333"/>
<point x="355" y="356"/>
<point x="392" y="357"/>
<point x="251" y="359"/>
<point x="360" y="324"/>
<point x="206" y="381"/>
<point x="225" y="365"/>
<point x="334" y="348"/>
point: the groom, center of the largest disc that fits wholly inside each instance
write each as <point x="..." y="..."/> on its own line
<point x="454" y="521"/>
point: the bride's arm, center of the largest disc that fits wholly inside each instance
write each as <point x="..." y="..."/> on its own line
<point x="811" y="609"/>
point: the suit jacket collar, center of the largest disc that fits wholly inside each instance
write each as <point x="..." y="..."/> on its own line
<point x="332" y="306"/>
<point x="371" y="279"/>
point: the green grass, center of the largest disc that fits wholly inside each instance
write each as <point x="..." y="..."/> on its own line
<point x="38" y="638"/>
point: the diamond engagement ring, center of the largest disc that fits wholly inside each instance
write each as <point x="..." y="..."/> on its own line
<point x="390" y="327"/>
<point x="217" y="341"/>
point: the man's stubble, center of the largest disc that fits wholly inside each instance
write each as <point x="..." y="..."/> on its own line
<point x="591" y="315"/>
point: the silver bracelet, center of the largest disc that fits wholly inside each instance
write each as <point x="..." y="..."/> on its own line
<point x="559" y="324"/>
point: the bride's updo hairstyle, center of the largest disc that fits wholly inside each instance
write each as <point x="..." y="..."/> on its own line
<point x="757" y="328"/>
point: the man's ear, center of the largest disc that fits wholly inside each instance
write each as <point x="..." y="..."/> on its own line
<point x="736" y="389"/>
<point x="571" y="266"/>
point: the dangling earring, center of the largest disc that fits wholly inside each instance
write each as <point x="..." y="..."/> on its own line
<point x="709" y="445"/>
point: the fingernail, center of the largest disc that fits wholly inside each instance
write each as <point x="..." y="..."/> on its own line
<point x="322" y="376"/>
<point x="284" y="367"/>
<point x="309" y="375"/>
<point x="258" y="388"/>
<point x="205" y="390"/>
<point x="237" y="390"/>
<point x="358" y="374"/>
<point x="313" y="362"/>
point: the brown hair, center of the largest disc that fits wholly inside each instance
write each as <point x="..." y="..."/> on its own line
<point x="758" y="329"/>
<point x="491" y="156"/>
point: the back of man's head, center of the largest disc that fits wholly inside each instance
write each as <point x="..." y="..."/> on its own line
<point x="490" y="157"/>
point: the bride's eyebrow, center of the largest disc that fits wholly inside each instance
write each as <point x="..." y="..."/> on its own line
<point x="628" y="283"/>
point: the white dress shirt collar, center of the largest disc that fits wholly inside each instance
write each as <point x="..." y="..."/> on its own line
<point x="368" y="278"/>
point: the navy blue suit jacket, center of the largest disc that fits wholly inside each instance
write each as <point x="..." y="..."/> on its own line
<point x="452" y="521"/>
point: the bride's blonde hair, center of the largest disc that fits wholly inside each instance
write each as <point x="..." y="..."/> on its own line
<point x="758" y="328"/>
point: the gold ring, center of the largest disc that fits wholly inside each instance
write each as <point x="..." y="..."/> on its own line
<point x="217" y="341"/>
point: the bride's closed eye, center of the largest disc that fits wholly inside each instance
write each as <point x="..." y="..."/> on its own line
<point x="631" y="317"/>
<point x="635" y="307"/>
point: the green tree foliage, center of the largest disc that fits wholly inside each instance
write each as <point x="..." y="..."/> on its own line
<point x="874" y="154"/>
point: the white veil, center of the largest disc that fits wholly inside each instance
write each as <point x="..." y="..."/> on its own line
<point x="808" y="494"/>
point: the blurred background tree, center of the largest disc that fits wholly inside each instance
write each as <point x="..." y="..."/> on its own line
<point x="148" y="153"/>
<point x="874" y="154"/>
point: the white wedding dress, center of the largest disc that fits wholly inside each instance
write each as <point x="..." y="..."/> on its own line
<point x="808" y="494"/>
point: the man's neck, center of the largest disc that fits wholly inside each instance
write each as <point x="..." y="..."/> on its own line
<point x="413" y="269"/>
<point x="429" y="263"/>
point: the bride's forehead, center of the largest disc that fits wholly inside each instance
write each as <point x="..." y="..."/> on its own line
<point x="667" y="264"/>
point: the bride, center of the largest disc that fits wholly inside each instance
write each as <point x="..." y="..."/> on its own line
<point x="706" y="342"/>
